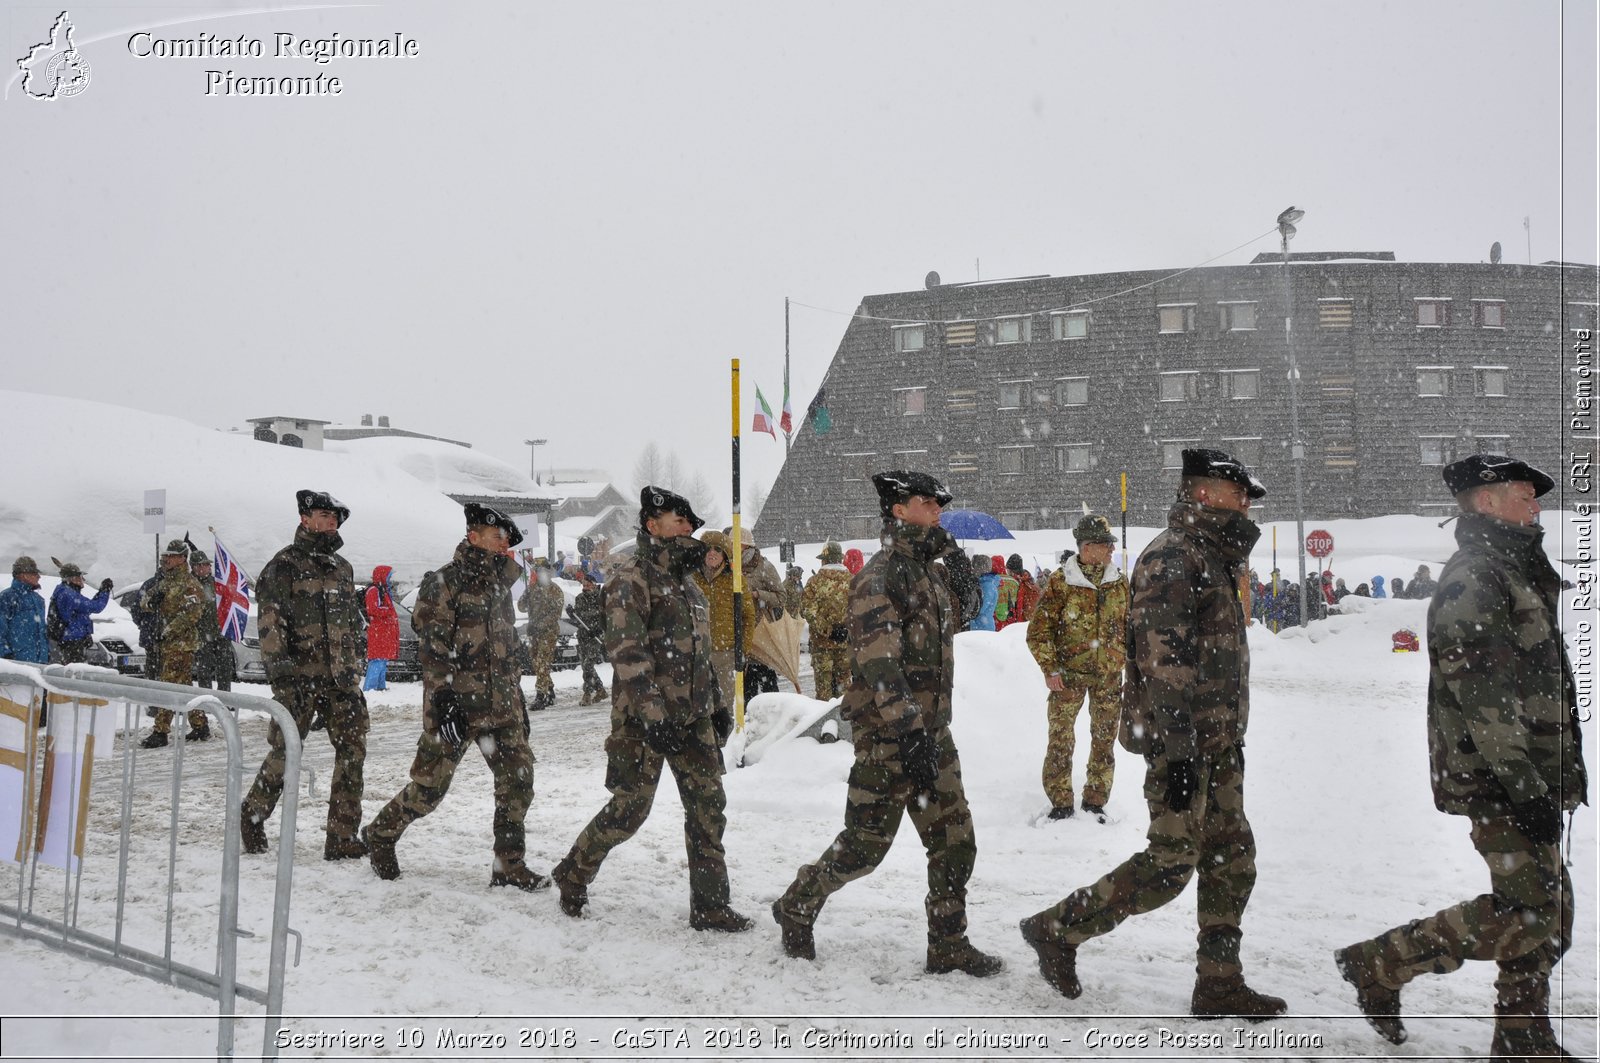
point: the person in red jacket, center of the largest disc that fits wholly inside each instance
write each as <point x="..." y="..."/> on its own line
<point x="383" y="630"/>
<point x="854" y="561"/>
<point x="1027" y="593"/>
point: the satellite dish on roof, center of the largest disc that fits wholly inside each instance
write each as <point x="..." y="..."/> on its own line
<point x="1494" y="252"/>
<point x="931" y="280"/>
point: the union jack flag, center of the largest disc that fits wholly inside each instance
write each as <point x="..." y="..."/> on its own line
<point x="233" y="593"/>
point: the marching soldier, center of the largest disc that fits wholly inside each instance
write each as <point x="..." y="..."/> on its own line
<point x="315" y="655"/>
<point x="825" y="606"/>
<point x="181" y="608"/>
<point x="544" y="604"/>
<point x="1505" y="750"/>
<point x="589" y="617"/>
<point x="1078" y="636"/>
<point x="901" y="629"/>
<point x="667" y="709"/>
<point x="1185" y="706"/>
<point x="472" y="694"/>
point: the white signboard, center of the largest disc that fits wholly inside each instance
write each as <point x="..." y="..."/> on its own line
<point x="531" y="526"/>
<point x="155" y="511"/>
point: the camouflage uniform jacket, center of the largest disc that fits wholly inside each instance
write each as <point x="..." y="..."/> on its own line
<point x="544" y="603"/>
<point x="311" y="620"/>
<point x="902" y="634"/>
<point x="1187" y="691"/>
<point x="588" y="610"/>
<point x="761" y="580"/>
<point x="793" y="593"/>
<point x="183" y="611"/>
<point x="467" y="636"/>
<point x="825" y="604"/>
<point x="1502" y="706"/>
<point x="1079" y="629"/>
<point x="658" y="637"/>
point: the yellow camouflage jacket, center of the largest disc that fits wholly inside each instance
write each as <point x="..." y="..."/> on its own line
<point x="544" y="603"/>
<point x="825" y="605"/>
<point x="467" y="637"/>
<point x="183" y="610"/>
<point x="1079" y="629"/>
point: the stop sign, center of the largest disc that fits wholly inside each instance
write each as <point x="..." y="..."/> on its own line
<point x="1319" y="543"/>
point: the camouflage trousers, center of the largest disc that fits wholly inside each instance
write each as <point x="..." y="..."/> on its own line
<point x="880" y="793"/>
<point x="590" y="655"/>
<point x="831" y="669"/>
<point x="1524" y="924"/>
<point x="542" y="648"/>
<point x="510" y="759"/>
<point x="177" y="666"/>
<point x="344" y="714"/>
<point x="1105" y="713"/>
<point x="633" y="770"/>
<point x="1213" y="835"/>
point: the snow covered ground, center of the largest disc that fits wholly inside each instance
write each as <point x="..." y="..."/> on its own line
<point x="1349" y="842"/>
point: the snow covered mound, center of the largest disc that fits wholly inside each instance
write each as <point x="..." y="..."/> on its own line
<point x="74" y="489"/>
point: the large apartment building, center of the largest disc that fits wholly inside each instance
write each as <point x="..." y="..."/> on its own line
<point x="1030" y="397"/>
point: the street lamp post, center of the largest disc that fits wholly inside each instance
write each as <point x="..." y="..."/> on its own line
<point x="1297" y="450"/>
<point x="533" y="456"/>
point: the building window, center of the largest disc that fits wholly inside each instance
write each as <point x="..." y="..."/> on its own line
<point x="1073" y="325"/>
<point x="1017" y="519"/>
<point x="963" y="463"/>
<point x="1240" y="383"/>
<point x="1335" y="313"/>
<point x="857" y="466"/>
<point x="1178" y="317"/>
<point x="1011" y="394"/>
<point x="1437" y="450"/>
<point x="1238" y="317"/>
<point x="960" y="333"/>
<point x="910" y="402"/>
<point x="1074" y="457"/>
<point x="1246" y="448"/>
<point x="1014" y="461"/>
<point x="1492" y="444"/>
<point x="1433" y="313"/>
<point x="1172" y="452"/>
<point x="961" y="403"/>
<point x="910" y="459"/>
<point x="1491" y="381"/>
<point x="1433" y="381"/>
<point x="1044" y="396"/>
<point x="292" y="440"/>
<point x="909" y="338"/>
<point x="1179" y="387"/>
<point x="1489" y="313"/>
<point x="862" y="526"/>
<point x="1013" y="330"/>
<point x="1072" y="391"/>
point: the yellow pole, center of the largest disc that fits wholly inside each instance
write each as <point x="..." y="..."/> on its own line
<point x="737" y="548"/>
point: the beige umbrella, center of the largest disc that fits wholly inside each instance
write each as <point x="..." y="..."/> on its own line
<point x="776" y="643"/>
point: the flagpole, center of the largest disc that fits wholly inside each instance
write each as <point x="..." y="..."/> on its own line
<point x="736" y="548"/>
<point x="786" y="370"/>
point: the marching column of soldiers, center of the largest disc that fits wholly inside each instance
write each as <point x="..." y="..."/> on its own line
<point x="1161" y="656"/>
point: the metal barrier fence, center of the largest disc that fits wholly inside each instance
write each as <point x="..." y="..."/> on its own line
<point x="78" y="686"/>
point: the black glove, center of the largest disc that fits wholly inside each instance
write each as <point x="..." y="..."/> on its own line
<point x="449" y="717"/>
<point x="919" y="757"/>
<point x="839" y="633"/>
<point x="1182" y="781"/>
<point x="105" y="586"/>
<point x="722" y="720"/>
<point x="665" y="737"/>
<point x="1539" y="820"/>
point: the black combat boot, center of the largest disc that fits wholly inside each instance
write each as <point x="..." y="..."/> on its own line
<point x="1062" y="812"/>
<point x="718" y="917"/>
<point x="1218" y="998"/>
<point x="1094" y="808"/>
<point x="199" y="734"/>
<point x="511" y="871"/>
<point x="154" y="740"/>
<point x="1379" y="1003"/>
<point x="574" y="894"/>
<point x="797" y="941"/>
<point x="337" y="848"/>
<point x="959" y="954"/>
<point x="252" y="832"/>
<point x="381" y="853"/>
<point x="1058" y="961"/>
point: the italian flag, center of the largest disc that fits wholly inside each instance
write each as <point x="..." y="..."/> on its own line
<point x="763" y="419"/>
<point x="787" y="422"/>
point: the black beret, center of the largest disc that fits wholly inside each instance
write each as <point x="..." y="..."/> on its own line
<point x="897" y="485"/>
<point x="487" y="515"/>
<point x="307" y="500"/>
<point x="1221" y="466"/>
<point x="1475" y="470"/>
<point x="654" y="501"/>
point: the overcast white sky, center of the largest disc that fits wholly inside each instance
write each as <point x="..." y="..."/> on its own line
<point x="562" y="220"/>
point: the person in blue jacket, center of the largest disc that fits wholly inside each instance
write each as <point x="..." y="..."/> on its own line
<point x="1377" y="587"/>
<point x="989" y="586"/>
<point x="22" y="636"/>
<point x="76" y="612"/>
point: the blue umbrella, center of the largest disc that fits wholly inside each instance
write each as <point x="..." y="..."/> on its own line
<point x="971" y="524"/>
